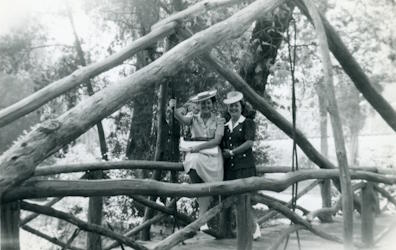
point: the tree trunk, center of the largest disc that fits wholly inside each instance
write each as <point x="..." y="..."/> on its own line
<point x="9" y="226"/>
<point x="325" y="186"/>
<point x="345" y="178"/>
<point x="140" y="145"/>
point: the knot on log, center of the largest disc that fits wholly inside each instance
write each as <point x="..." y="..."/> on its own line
<point x="49" y="126"/>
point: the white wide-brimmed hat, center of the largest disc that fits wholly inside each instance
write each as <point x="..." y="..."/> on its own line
<point x="203" y="96"/>
<point x="233" y="97"/>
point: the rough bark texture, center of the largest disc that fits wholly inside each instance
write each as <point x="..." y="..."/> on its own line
<point x="19" y="162"/>
<point x="38" y="189"/>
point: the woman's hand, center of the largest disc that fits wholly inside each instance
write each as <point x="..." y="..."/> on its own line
<point x="227" y="153"/>
<point x="194" y="150"/>
<point x="172" y="103"/>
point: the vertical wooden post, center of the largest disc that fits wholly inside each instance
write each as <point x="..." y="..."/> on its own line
<point x="368" y="213"/>
<point x="9" y="226"/>
<point x="244" y="222"/>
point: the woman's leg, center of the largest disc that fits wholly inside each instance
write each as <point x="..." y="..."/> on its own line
<point x="203" y="202"/>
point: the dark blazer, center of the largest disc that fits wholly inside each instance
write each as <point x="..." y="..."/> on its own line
<point x="240" y="134"/>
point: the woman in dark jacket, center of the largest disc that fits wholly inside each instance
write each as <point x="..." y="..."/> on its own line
<point x="239" y="162"/>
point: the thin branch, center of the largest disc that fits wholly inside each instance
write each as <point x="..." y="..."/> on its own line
<point x="32" y="216"/>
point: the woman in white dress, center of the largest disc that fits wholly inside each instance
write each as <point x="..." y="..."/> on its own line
<point x="203" y="161"/>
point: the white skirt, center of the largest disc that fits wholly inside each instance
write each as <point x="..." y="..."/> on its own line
<point x="208" y="166"/>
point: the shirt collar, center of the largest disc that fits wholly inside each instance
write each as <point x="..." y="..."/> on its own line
<point x="230" y="125"/>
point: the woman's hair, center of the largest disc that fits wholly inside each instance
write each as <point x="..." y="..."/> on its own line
<point x="247" y="110"/>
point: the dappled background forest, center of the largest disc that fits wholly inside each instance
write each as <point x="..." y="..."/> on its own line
<point x="43" y="41"/>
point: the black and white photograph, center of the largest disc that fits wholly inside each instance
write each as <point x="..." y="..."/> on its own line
<point x="197" y="124"/>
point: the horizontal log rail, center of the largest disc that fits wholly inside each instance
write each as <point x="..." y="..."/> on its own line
<point x="162" y="165"/>
<point x="54" y="188"/>
<point x="49" y="211"/>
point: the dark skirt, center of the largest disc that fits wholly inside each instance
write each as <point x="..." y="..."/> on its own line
<point x="234" y="174"/>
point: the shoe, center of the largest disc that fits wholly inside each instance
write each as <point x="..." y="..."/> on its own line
<point x="204" y="227"/>
<point x="257" y="232"/>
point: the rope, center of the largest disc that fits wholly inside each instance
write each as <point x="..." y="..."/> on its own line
<point x="292" y="63"/>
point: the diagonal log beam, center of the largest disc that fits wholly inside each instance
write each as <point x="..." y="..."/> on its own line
<point x="55" y="89"/>
<point x="53" y="240"/>
<point x="32" y="216"/>
<point x="354" y="71"/>
<point x="19" y="162"/>
<point x="81" y="224"/>
<point x="47" y="188"/>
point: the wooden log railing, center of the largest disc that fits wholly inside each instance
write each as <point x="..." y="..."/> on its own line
<point x="253" y="183"/>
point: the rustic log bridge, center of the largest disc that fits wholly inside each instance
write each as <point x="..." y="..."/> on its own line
<point x="53" y="188"/>
<point x="20" y="161"/>
<point x="190" y="230"/>
<point x="81" y="224"/>
<point x="53" y="240"/>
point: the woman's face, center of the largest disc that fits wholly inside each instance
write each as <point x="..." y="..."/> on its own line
<point x="235" y="109"/>
<point x="206" y="106"/>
